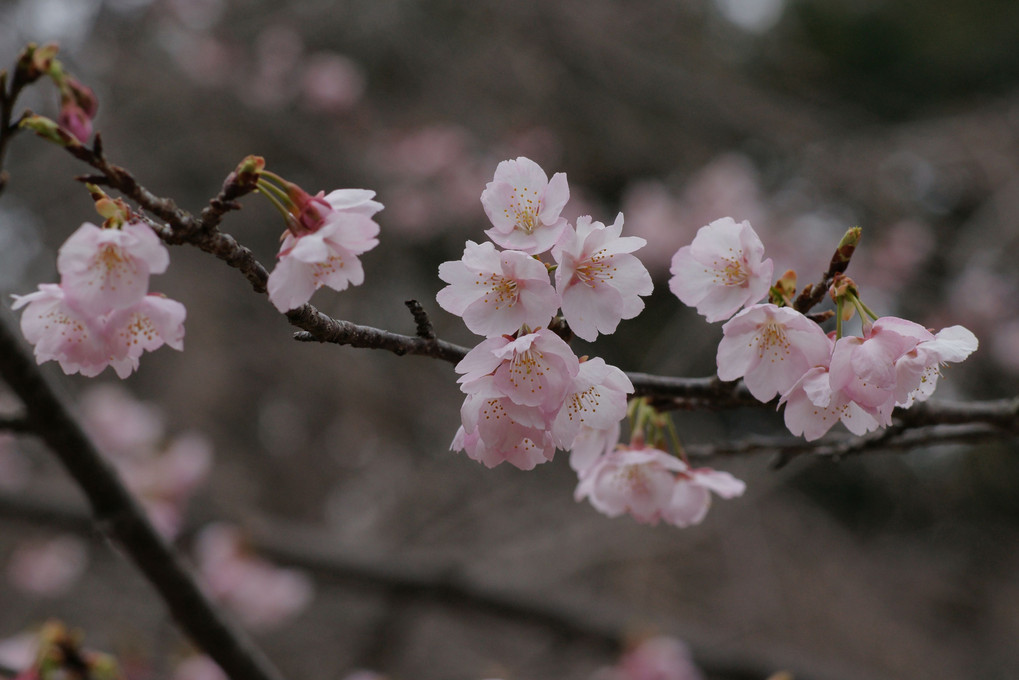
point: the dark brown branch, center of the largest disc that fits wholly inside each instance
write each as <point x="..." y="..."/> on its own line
<point x="121" y="519"/>
<point x="424" y="324"/>
<point x="15" y="424"/>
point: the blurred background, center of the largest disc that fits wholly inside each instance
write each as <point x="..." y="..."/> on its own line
<point x="805" y="117"/>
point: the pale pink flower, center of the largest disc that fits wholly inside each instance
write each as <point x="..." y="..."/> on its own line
<point x="19" y="652"/>
<point x="599" y="281"/>
<point x="691" y="498"/>
<point x="639" y="482"/>
<point x="497" y="292"/>
<point x="496" y="430"/>
<point x="770" y="347"/>
<point x="721" y="270"/>
<point x="144" y="327"/>
<point x="917" y="371"/>
<point x="812" y="407"/>
<point x="590" y="445"/>
<point x="62" y="332"/>
<point x="524" y="206"/>
<point x="596" y="400"/>
<point x="331" y="83"/>
<point x="198" y="667"/>
<point x="47" y="567"/>
<point x="535" y="369"/>
<point x="261" y="594"/>
<point x="657" y="658"/>
<point x="107" y="269"/>
<point x="864" y="369"/>
<point x="123" y="427"/>
<point x="331" y="231"/>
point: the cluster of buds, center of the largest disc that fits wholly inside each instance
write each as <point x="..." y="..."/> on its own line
<point x="102" y="313"/>
<point x="821" y="378"/>
<point x="78" y="103"/>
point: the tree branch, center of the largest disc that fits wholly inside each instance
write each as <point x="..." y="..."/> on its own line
<point x="119" y="517"/>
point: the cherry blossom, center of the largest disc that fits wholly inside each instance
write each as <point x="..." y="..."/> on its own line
<point x="917" y="371"/>
<point x="496" y="430"/>
<point x="47" y="567"/>
<point x="721" y="270"/>
<point x="596" y="401"/>
<point x="637" y="481"/>
<point x="261" y="594"/>
<point x="321" y="247"/>
<point x="107" y="269"/>
<point x="145" y="326"/>
<point x="812" y="407"/>
<point x="524" y="206"/>
<point x="535" y="369"/>
<point x="590" y="445"/>
<point x="863" y="368"/>
<point x="60" y="331"/>
<point x="599" y="281"/>
<point x="497" y="292"/>
<point x="770" y="347"/>
<point x="691" y="498"/>
<point x="657" y="658"/>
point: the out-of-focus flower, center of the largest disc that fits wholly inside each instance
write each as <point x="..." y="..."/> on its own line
<point x="721" y="270"/>
<point x="524" y="206"/>
<point x="18" y="652"/>
<point x="657" y="658"/>
<point x="47" y="567"/>
<point x="198" y="667"/>
<point x="262" y="595"/>
<point x="598" y="278"/>
<point x="497" y="292"/>
<point x="331" y="83"/>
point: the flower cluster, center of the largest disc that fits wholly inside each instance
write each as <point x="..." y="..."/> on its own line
<point x="325" y="234"/>
<point x="822" y="378"/>
<point x="527" y="392"/>
<point x="102" y="313"/>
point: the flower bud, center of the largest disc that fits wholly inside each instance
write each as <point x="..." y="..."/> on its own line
<point x="49" y="129"/>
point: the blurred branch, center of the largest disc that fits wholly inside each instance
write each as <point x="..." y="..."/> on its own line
<point x="119" y="517"/>
<point x="14" y="424"/>
<point x="442" y="583"/>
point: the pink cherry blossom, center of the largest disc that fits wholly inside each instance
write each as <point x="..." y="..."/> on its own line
<point x="770" y="347"/>
<point x="107" y="269"/>
<point x="62" y="332"/>
<point x="917" y="371"/>
<point x="48" y="567"/>
<point x="590" y="445"/>
<point x="144" y="327"/>
<point x="596" y="400"/>
<point x="322" y="246"/>
<point x="535" y="369"/>
<point x="524" y="206"/>
<point x="812" y="407"/>
<point x="639" y="482"/>
<point x="198" y="667"/>
<point x="864" y="368"/>
<point x="657" y="658"/>
<point x="262" y="595"/>
<point x="495" y="292"/>
<point x="721" y="270"/>
<point x="496" y="430"/>
<point x="691" y="498"/>
<point x="599" y="281"/>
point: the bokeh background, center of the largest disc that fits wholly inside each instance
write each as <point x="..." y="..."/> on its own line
<point x="804" y="116"/>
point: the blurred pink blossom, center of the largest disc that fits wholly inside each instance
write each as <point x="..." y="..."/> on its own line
<point x="658" y="658"/>
<point x="47" y="567"/>
<point x="259" y="593"/>
<point x="331" y="83"/>
<point x="198" y="667"/>
<point x="18" y="652"/>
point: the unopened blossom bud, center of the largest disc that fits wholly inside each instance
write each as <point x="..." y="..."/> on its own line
<point x="49" y="129"/>
<point x="35" y="61"/>
<point x="845" y="250"/>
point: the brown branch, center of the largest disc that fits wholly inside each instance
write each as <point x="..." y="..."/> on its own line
<point x="119" y="517"/>
<point x="15" y="424"/>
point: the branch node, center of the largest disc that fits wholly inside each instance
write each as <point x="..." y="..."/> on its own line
<point x="424" y="324"/>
